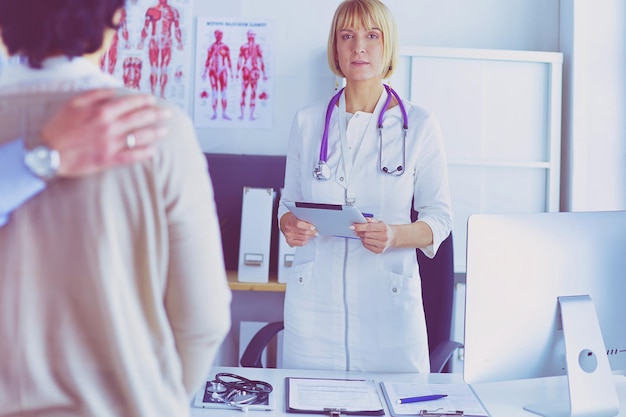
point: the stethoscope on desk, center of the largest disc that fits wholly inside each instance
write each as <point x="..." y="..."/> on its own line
<point x="321" y="171"/>
<point x="236" y="391"/>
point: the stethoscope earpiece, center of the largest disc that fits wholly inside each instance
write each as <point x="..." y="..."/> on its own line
<point x="386" y="170"/>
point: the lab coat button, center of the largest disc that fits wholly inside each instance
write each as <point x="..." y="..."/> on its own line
<point x="341" y="179"/>
<point x="394" y="289"/>
<point x="301" y="280"/>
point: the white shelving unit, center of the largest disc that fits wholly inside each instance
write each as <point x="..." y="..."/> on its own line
<point x="500" y="113"/>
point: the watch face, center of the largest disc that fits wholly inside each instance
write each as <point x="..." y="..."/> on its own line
<point x="42" y="161"/>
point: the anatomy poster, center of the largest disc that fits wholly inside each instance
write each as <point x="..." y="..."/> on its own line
<point x="152" y="49"/>
<point x="233" y="75"/>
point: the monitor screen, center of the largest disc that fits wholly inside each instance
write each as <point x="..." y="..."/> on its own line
<point x="517" y="267"/>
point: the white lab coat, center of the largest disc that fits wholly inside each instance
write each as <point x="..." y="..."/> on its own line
<point x="347" y="308"/>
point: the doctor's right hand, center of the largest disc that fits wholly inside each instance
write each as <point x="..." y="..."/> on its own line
<point x="297" y="232"/>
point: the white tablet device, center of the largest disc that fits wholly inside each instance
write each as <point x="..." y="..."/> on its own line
<point x="205" y="399"/>
<point x="328" y="219"/>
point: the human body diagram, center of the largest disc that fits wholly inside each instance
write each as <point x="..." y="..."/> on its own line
<point x="233" y="73"/>
<point x="162" y="22"/>
<point x="218" y="67"/>
<point x="149" y="51"/>
<point x="251" y="66"/>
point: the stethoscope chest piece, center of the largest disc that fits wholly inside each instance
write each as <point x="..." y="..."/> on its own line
<point x="321" y="171"/>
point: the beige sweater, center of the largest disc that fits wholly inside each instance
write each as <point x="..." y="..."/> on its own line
<point x="113" y="294"/>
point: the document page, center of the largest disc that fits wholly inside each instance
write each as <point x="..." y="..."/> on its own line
<point x="458" y="398"/>
<point x="320" y="395"/>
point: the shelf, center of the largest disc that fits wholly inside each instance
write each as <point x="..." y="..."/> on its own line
<point x="272" y="286"/>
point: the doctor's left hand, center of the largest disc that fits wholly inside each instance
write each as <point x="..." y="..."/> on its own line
<point x="376" y="236"/>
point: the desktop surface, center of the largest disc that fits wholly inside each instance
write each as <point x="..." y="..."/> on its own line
<point x="276" y="377"/>
<point x="501" y="399"/>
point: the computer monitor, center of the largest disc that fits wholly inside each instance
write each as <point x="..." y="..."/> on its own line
<point x="518" y="265"/>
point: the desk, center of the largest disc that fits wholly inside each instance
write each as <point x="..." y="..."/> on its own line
<point x="502" y="399"/>
<point x="508" y="398"/>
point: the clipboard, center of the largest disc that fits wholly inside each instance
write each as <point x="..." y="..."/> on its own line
<point x="328" y="219"/>
<point x="334" y="397"/>
<point x="460" y="401"/>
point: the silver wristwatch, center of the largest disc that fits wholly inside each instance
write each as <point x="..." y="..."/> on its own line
<point x="43" y="161"/>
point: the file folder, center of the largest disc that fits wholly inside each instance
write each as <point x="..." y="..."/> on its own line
<point x="286" y="255"/>
<point x="256" y="231"/>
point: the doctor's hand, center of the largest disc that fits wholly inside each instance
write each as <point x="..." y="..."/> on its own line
<point x="297" y="232"/>
<point x="376" y="236"/>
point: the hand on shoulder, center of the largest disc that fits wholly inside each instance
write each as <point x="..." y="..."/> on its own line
<point x="100" y="129"/>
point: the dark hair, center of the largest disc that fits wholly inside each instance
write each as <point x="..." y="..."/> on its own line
<point x="37" y="29"/>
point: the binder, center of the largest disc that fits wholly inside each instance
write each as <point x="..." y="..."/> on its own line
<point x="286" y="255"/>
<point x="256" y="230"/>
<point x="333" y="397"/>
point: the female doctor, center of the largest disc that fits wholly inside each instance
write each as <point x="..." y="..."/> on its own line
<point x="356" y="304"/>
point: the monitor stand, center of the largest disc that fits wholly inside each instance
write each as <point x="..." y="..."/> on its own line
<point x="592" y="391"/>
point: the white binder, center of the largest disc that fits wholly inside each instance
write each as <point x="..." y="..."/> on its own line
<point x="285" y="257"/>
<point x="285" y="254"/>
<point x="256" y="230"/>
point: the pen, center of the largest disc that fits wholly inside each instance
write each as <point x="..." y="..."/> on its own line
<point x="420" y="399"/>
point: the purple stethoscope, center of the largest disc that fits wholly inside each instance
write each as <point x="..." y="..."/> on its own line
<point x="321" y="171"/>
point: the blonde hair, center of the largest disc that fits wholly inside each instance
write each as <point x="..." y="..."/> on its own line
<point x="368" y="14"/>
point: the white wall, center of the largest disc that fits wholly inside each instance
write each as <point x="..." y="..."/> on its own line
<point x="593" y="39"/>
<point x="301" y="74"/>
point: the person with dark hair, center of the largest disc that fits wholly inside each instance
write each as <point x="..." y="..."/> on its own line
<point x="87" y="135"/>
<point x="113" y="293"/>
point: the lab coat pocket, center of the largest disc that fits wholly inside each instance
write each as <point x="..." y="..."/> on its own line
<point x="402" y="286"/>
<point x="403" y="307"/>
<point x="300" y="275"/>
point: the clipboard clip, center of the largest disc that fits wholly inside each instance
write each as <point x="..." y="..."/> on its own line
<point x="334" y="412"/>
<point x="440" y="413"/>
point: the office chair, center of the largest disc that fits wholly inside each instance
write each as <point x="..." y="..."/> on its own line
<point x="438" y="293"/>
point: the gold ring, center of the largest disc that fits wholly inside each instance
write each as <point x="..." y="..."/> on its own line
<point x="131" y="141"/>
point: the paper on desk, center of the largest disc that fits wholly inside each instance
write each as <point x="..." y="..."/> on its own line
<point x="319" y="394"/>
<point x="460" y="397"/>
